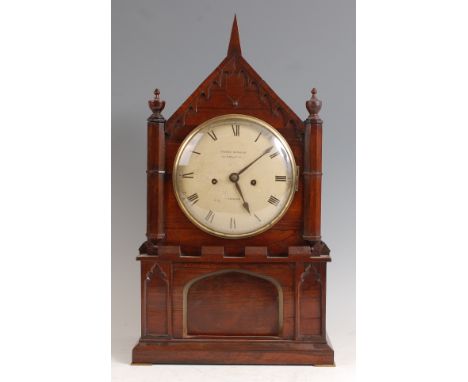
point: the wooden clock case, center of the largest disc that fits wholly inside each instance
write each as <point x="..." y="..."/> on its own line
<point x="257" y="300"/>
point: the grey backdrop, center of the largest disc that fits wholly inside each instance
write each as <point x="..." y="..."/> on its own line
<point x="174" y="45"/>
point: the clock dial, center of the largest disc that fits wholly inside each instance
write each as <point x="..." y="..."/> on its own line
<point x="234" y="176"/>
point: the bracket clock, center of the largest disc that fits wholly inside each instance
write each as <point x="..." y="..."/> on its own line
<point x="233" y="270"/>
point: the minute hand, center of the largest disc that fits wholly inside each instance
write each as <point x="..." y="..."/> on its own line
<point x="251" y="163"/>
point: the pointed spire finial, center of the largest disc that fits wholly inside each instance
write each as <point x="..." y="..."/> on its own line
<point x="234" y="42"/>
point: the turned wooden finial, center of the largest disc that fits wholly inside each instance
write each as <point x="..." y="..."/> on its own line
<point x="234" y="42"/>
<point x="313" y="106"/>
<point x="156" y="106"/>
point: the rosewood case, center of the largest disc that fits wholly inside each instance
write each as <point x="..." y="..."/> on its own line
<point x="256" y="300"/>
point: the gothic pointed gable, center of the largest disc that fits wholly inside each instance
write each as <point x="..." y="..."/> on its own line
<point x="233" y="87"/>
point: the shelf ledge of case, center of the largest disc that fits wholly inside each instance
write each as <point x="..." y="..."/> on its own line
<point x="212" y="251"/>
<point x="169" y="250"/>
<point x="163" y="252"/>
<point x="303" y="251"/>
<point x="306" y="252"/>
<point x="251" y="254"/>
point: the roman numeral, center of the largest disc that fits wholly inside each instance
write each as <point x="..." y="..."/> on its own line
<point x="212" y="135"/>
<point x="257" y="218"/>
<point x="236" y="130"/>
<point x="232" y="223"/>
<point x="193" y="198"/>
<point x="274" y="154"/>
<point x="188" y="175"/>
<point x="260" y="133"/>
<point x="273" y="200"/>
<point x="280" y="178"/>
<point x="210" y="216"/>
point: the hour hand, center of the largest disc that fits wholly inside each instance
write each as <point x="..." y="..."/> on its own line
<point x="245" y="204"/>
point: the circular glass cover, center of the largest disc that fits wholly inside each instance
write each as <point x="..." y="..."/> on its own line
<point x="234" y="176"/>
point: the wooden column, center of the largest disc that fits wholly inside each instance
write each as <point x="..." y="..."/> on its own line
<point x="156" y="170"/>
<point x="312" y="169"/>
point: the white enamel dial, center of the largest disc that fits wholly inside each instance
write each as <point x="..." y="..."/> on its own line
<point x="234" y="176"/>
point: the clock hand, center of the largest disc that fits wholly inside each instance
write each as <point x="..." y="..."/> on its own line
<point x="251" y="163"/>
<point x="234" y="178"/>
<point x="245" y="204"/>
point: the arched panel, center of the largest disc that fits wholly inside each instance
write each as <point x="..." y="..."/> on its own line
<point x="310" y="301"/>
<point x="155" y="295"/>
<point x="233" y="303"/>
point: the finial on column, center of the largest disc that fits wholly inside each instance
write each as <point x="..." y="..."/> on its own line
<point x="156" y="106"/>
<point x="313" y="106"/>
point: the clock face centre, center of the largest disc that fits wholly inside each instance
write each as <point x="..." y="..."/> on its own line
<point x="234" y="177"/>
<point x="216" y="166"/>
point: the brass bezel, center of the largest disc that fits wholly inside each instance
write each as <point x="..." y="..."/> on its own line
<point x="239" y="117"/>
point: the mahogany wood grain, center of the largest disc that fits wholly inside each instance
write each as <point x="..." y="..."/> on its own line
<point x="239" y="300"/>
<point x="313" y="170"/>
<point x="156" y="285"/>
<point x="236" y="352"/>
<point x="209" y="300"/>
<point x="156" y="170"/>
<point x="226" y="298"/>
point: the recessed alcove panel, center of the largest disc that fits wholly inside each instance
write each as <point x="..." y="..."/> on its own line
<point x="233" y="303"/>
